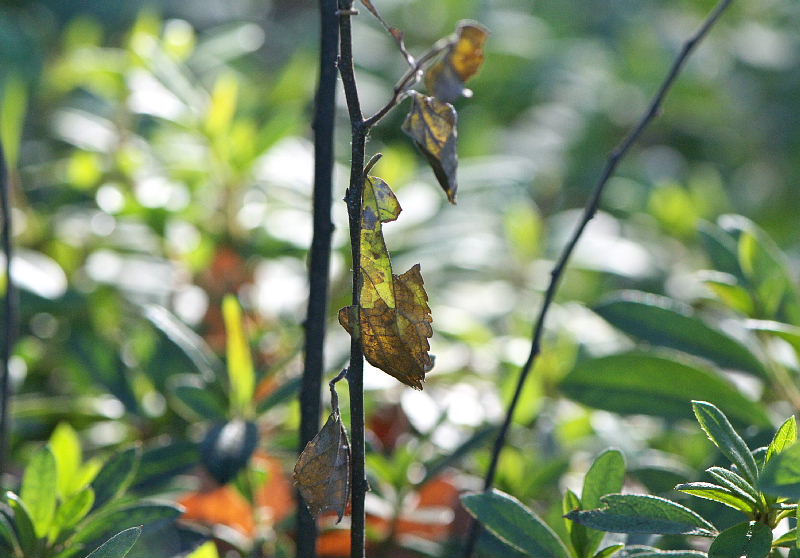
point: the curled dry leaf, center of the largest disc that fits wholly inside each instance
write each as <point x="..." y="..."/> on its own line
<point x="432" y="125"/>
<point x="395" y="319"/>
<point x="445" y="78"/>
<point x="322" y="473"/>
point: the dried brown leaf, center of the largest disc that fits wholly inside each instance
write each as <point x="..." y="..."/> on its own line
<point x="432" y="125"/>
<point x="322" y="473"/>
<point x="445" y="78"/>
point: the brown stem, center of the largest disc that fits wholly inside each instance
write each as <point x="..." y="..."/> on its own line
<point x="588" y="213"/>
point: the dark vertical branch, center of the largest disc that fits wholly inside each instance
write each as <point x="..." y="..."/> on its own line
<point x="319" y="262"/>
<point x="588" y="213"/>
<point x="355" y="375"/>
<point x="9" y="315"/>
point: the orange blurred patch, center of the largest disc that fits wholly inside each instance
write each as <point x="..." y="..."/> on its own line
<point x="223" y="505"/>
<point x="277" y="494"/>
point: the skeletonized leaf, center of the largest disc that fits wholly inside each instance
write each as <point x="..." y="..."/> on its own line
<point x="432" y="125"/>
<point x="322" y="473"/>
<point x="395" y="319"/>
<point x="446" y="77"/>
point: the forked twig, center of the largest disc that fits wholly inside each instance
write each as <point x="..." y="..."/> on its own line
<point x="588" y="213"/>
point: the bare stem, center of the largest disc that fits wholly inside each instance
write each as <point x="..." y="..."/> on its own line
<point x="588" y="213"/>
<point x="320" y="255"/>
<point x="355" y="376"/>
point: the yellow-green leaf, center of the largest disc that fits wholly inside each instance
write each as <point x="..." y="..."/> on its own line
<point x="66" y="448"/>
<point x="240" y="364"/>
<point x="446" y="77"/>
<point x="322" y="473"/>
<point x="432" y="125"/>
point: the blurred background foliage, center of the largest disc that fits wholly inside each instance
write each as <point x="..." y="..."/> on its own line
<point x="163" y="161"/>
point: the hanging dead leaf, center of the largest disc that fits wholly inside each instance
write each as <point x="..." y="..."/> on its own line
<point x="445" y="78"/>
<point x="396" y="339"/>
<point x="322" y="473"/>
<point x="432" y="125"/>
<point x="395" y="321"/>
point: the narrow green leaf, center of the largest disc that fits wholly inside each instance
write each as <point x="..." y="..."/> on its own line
<point x="66" y="448"/>
<point x="202" y="403"/>
<point x="285" y="392"/>
<point x="114" y="520"/>
<point x="787" y="540"/>
<point x="781" y="476"/>
<point x="577" y="533"/>
<point x="639" y="513"/>
<point x="117" y="546"/>
<point x="734" y="483"/>
<point x="642" y="383"/>
<point x="716" y="426"/>
<point x="13" y="104"/>
<point x="241" y="373"/>
<point x="787" y="332"/>
<point x="116" y="476"/>
<point x="605" y="476"/>
<point x="663" y="321"/>
<point x="39" y="486"/>
<point x="745" y="540"/>
<point x="73" y="510"/>
<point x="718" y="494"/>
<point x="784" y="437"/>
<point x="510" y="521"/>
<point x="608" y="551"/>
<point x="8" y="535"/>
<point x="161" y="463"/>
<point x="26" y="534"/>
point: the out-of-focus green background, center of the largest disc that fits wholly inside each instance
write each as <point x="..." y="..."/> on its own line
<point x="163" y="159"/>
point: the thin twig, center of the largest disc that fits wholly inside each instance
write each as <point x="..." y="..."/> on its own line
<point x="320" y="255"/>
<point x="335" y="396"/>
<point x="588" y="213"/>
<point x="355" y="376"/>
<point x="409" y="79"/>
<point x="9" y="315"/>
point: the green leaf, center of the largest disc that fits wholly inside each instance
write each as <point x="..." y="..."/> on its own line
<point x="719" y="494"/>
<point x="650" y="552"/>
<point x="73" y="510"/>
<point x="736" y="484"/>
<point x="605" y="476"/>
<point x="639" y="513"/>
<point x="227" y="448"/>
<point x="241" y="373"/>
<point x="114" y="520"/>
<point x="642" y="383"/>
<point x="200" y="401"/>
<point x="721" y="248"/>
<point x="287" y="390"/>
<point x="160" y="464"/>
<point x="787" y="540"/>
<point x="26" y="535"/>
<point x="8" y="536"/>
<point x="608" y="551"/>
<point x="66" y="448"/>
<point x="39" y="487"/>
<point x="577" y="533"/>
<point x="746" y="540"/>
<point x="510" y="521"/>
<point x="787" y="332"/>
<point x="193" y="346"/>
<point x="117" y="546"/>
<point x="116" y="476"/>
<point x="716" y="426"/>
<point x="781" y="476"/>
<point x="784" y="437"/>
<point x="663" y="321"/>
<point x="13" y="105"/>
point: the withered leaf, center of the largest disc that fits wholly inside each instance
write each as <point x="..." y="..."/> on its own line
<point x="322" y="473"/>
<point x="395" y="319"/>
<point x="445" y="78"/>
<point x="395" y="339"/>
<point x="432" y="125"/>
